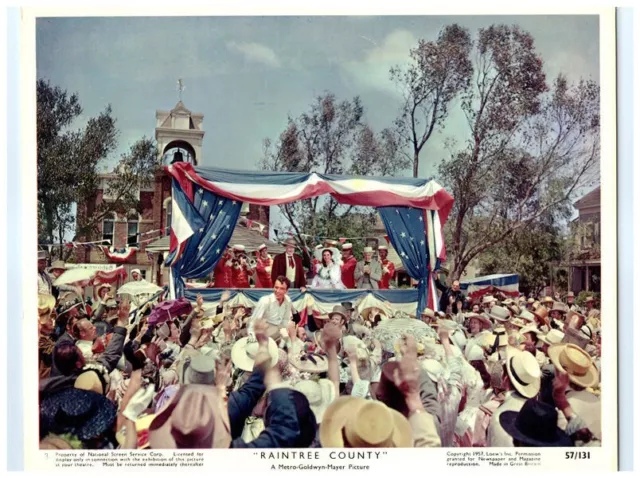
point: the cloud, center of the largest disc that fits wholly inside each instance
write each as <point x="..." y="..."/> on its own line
<point x="255" y="52"/>
<point x="372" y="71"/>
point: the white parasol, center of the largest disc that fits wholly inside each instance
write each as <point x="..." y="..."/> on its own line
<point x="389" y="331"/>
<point x="76" y="276"/>
<point x="136" y="288"/>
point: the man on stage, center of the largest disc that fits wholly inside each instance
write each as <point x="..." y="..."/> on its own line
<point x="368" y="271"/>
<point x="289" y="265"/>
<point x="264" y="264"/>
<point x="222" y="271"/>
<point x="348" y="268"/>
<point x="388" y="269"/>
<point x="241" y="270"/>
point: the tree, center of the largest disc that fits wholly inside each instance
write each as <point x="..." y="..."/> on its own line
<point x="530" y="147"/>
<point x="330" y="139"/>
<point x="68" y="162"/>
<point x="527" y="252"/>
<point x="439" y="71"/>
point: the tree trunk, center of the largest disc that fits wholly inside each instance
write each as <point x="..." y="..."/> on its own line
<point x="416" y="162"/>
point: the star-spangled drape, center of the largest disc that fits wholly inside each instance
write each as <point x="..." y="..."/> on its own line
<point x="204" y="249"/>
<point x="407" y="232"/>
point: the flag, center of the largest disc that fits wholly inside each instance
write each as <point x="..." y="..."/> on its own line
<point x="185" y="220"/>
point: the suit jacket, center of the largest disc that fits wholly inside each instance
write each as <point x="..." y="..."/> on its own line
<point x="375" y="276"/>
<point x="279" y="268"/>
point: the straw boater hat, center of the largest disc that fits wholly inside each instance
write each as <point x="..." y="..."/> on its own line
<point x="320" y="395"/>
<point x="553" y="337"/>
<point x="500" y="314"/>
<point x="58" y="265"/>
<point x="487" y="299"/>
<point x="548" y="300"/>
<point x="364" y="424"/>
<point x="530" y="300"/>
<point x="367" y="250"/>
<point x="289" y="242"/>
<point x="576" y="362"/>
<point x="261" y="246"/>
<point x="239" y="247"/>
<point x="383" y="248"/>
<point x="244" y="351"/>
<point x="347" y="245"/>
<point x="485" y="323"/>
<point x="524" y="372"/>
<point x="331" y="243"/>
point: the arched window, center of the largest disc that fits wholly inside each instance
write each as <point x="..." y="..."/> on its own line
<point x="108" y="228"/>
<point x="167" y="209"/>
<point x="133" y="228"/>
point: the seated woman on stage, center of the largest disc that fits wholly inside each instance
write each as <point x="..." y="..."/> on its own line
<point x="329" y="275"/>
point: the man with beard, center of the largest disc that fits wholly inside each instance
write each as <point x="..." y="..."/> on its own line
<point x="264" y="263"/>
<point x="388" y="269"/>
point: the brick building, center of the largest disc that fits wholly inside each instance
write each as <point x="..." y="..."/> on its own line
<point x="179" y="135"/>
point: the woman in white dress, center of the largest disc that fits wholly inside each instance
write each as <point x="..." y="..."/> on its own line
<point x="328" y="275"/>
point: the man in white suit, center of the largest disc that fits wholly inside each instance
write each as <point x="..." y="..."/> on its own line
<point x="368" y="271"/>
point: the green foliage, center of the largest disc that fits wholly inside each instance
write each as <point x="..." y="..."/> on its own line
<point x="581" y="298"/>
<point x="331" y="139"/>
<point x="68" y="162"/>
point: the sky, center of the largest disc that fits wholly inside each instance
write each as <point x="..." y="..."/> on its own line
<point x="247" y="74"/>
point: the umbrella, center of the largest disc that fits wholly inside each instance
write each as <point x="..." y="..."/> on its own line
<point x="169" y="309"/>
<point x="389" y="331"/>
<point x="139" y="288"/>
<point x="76" y="276"/>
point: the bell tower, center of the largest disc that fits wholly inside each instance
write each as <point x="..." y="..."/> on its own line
<point x="179" y="133"/>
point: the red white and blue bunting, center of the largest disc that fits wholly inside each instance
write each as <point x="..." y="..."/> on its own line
<point x="119" y="255"/>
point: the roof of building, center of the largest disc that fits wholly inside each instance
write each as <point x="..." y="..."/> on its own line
<point x="588" y="200"/>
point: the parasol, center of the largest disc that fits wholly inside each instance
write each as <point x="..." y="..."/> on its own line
<point x="389" y="331"/>
<point x="169" y="309"/>
<point x="76" y="276"/>
<point x="135" y="288"/>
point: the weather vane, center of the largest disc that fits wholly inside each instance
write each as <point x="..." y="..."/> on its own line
<point x="180" y="88"/>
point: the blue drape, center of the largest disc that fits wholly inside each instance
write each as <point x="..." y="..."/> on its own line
<point x="407" y="232"/>
<point x="205" y="248"/>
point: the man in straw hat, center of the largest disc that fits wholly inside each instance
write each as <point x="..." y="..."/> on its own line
<point x="590" y="306"/>
<point x="479" y="330"/>
<point x="571" y="301"/>
<point x="264" y="264"/>
<point x="388" y="269"/>
<point x="368" y="271"/>
<point x="522" y="380"/>
<point x="289" y="265"/>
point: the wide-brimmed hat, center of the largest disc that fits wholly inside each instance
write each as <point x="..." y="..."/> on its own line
<point x="589" y="299"/>
<point x="482" y="318"/>
<point x="500" y="314"/>
<point x="570" y="294"/>
<point x="554" y="336"/>
<point x="338" y="310"/>
<point x="487" y="299"/>
<point x="81" y="413"/>
<point x="194" y="418"/>
<point x="429" y="313"/>
<point x="575" y="319"/>
<point x="536" y="425"/>
<point x="517" y="322"/>
<point x="320" y="394"/>
<point x="547" y="299"/>
<point x="310" y="362"/>
<point x="59" y="265"/>
<point x="526" y="316"/>
<point x="364" y="424"/>
<point x="289" y="242"/>
<point x="559" y="307"/>
<point x="524" y="372"/>
<point x="243" y="353"/>
<point x="366" y="314"/>
<point x="542" y="313"/>
<point x="198" y="369"/>
<point x="576" y="362"/>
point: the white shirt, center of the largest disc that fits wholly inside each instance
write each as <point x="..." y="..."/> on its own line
<point x="291" y="271"/>
<point x="44" y="287"/>
<point x="270" y="310"/>
<point x="496" y="435"/>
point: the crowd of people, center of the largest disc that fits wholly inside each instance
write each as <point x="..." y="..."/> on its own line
<point x="331" y="268"/>
<point x="491" y="371"/>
